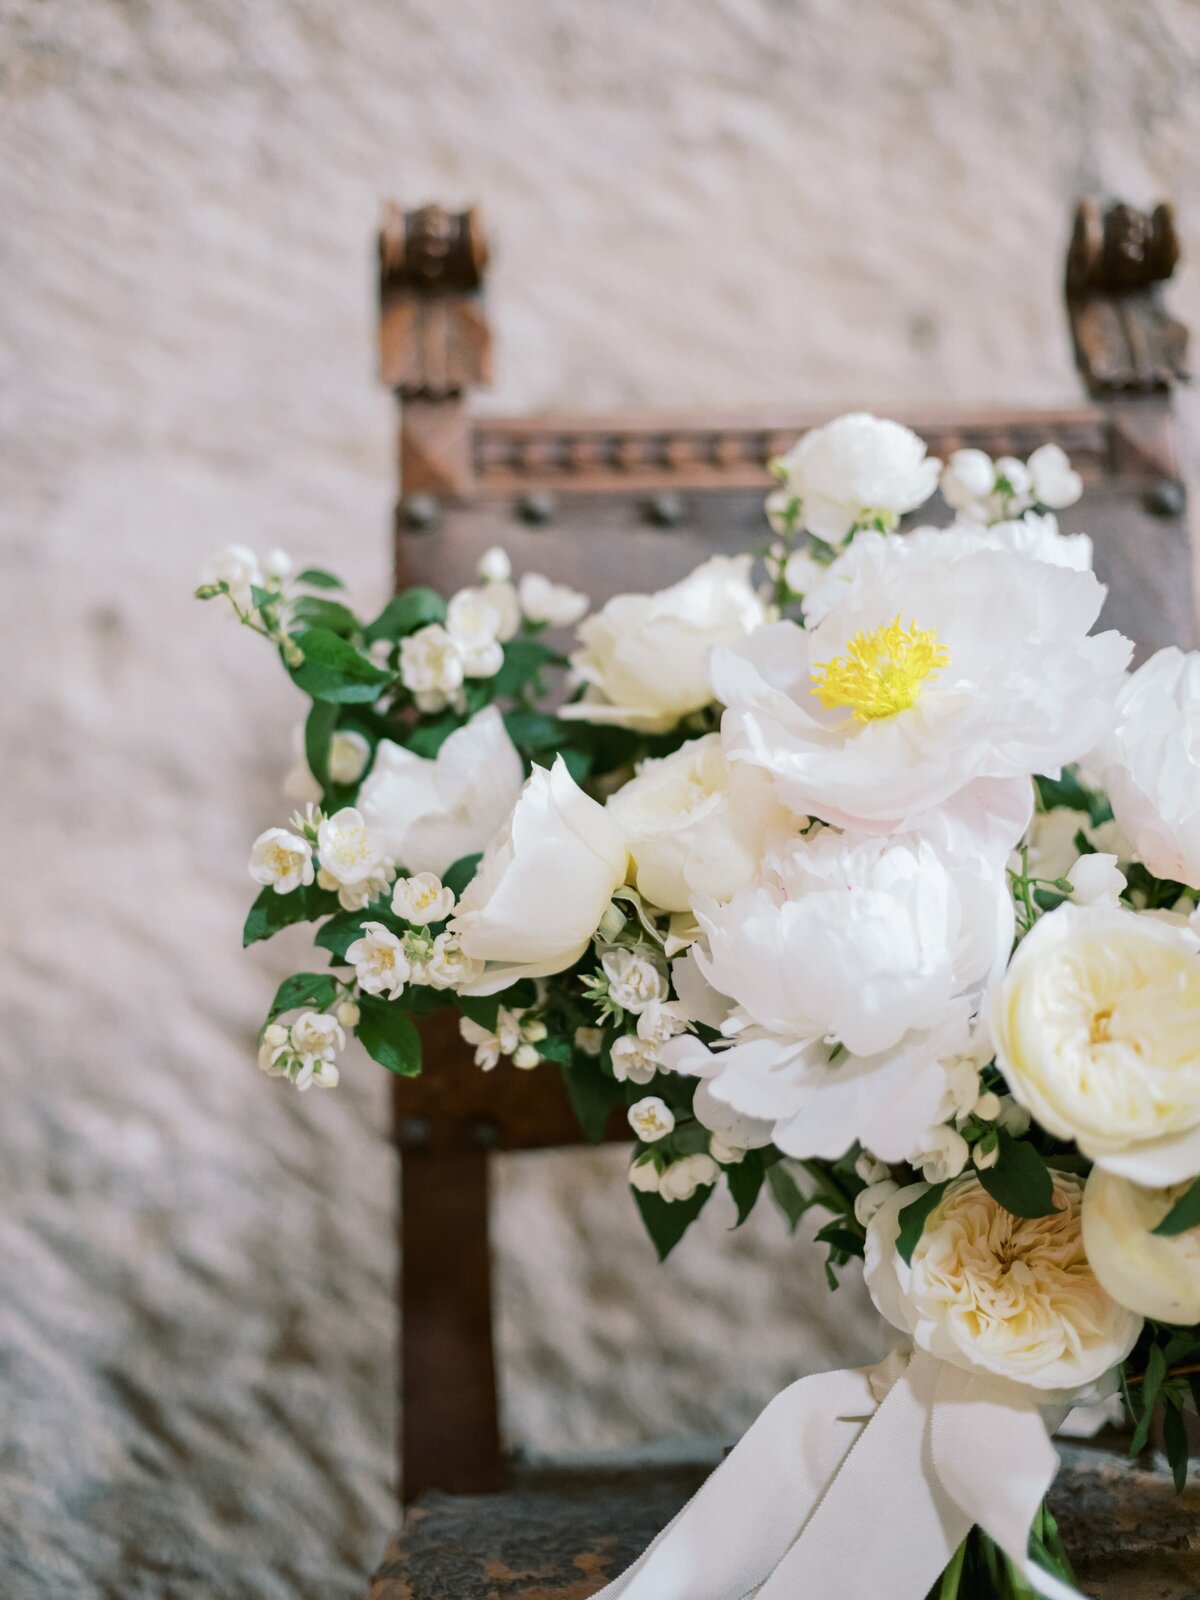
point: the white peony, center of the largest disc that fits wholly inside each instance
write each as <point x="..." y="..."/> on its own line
<point x="930" y="690"/>
<point x="1097" y="1030"/>
<point x="544" y="883"/>
<point x="379" y="962"/>
<point x="1008" y="1295"/>
<point x="1150" y="766"/>
<point x="281" y="859"/>
<point x="551" y="603"/>
<point x="854" y="968"/>
<point x="644" y="658"/>
<point x="422" y="899"/>
<point x="696" y="824"/>
<point x="236" y="570"/>
<point x="432" y="667"/>
<point x="856" y="470"/>
<point x="1156" y="1275"/>
<point x="428" y="814"/>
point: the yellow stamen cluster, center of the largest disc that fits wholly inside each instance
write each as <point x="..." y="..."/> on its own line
<point x="881" y="672"/>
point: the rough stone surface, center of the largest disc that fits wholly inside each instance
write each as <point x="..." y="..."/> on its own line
<point x="741" y="201"/>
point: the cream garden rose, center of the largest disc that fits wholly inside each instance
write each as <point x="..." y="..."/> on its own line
<point x="543" y="885"/>
<point x="696" y="824"/>
<point x="1097" y="1030"/>
<point x="1156" y="1275"/>
<point x="644" y="657"/>
<point x="990" y="1291"/>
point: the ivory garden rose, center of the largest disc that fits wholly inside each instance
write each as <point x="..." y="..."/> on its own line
<point x="1157" y="1275"/>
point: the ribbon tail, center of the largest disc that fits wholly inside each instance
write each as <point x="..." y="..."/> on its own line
<point x="743" y="1518"/>
<point x="882" y="1527"/>
<point x="995" y="1460"/>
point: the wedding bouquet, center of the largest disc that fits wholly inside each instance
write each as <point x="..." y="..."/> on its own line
<point x="867" y="878"/>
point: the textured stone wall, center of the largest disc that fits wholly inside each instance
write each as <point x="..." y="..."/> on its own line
<point x="736" y="201"/>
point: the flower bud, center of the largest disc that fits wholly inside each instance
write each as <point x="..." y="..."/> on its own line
<point x="349" y="1014"/>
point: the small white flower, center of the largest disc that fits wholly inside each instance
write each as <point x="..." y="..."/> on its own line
<point x="1018" y="478"/>
<point x="1013" y="1117"/>
<point x="235" y="568"/>
<point x="682" y="1178"/>
<point x="723" y="1153"/>
<point x="317" y="1074"/>
<point x="1096" y="879"/>
<point x="870" y="1199"/>
<point x="633" y="1060"/>
<point x="344" y="847"/>
<point x="447" y="967"/>
<point x="870" y="1169"/>
<point x="985" y="1156"/>
<point x="968" y="478"/>
<point x="1056" y="484"/>
<point x="635" y="978"/>
<point x="643" y="1175"/>
<point x="379" y="961"/>
<point x="349" y="1014"/>
<point x="552" y="603"/>
<point x="486" y="1043"/>
<point x="473" y="622"/>
<point x="357" y="896"/>
<point x="422" y="899"/>
<point x="278" y="564"/>
<point x="431" y="667"/>
<point x="659" y="1022"/>
<point x="494" y="566"/>
<point x="941" y="1154"/>
<point x="525" y="1056"/>
<point x="651" y="1119"/>
<point x="988" y="1107"/>
<point x="281" y="859"/>
<point x="316" y="1036"/>
<point x="589" y="1041"/>
<point x="349" y="753"/>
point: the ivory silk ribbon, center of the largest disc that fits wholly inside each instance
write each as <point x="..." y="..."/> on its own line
<point x="857" y="1485"/>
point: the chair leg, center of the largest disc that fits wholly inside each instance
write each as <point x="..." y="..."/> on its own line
<point x="449" y="1432"/>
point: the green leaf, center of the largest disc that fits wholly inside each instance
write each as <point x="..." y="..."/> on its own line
<point x="457" y="877"/>
<point x="485" y="1008"/>
<point x="745" y="1180"/>
<point x="668" y="1220"/>
<point x="1175" y="1440"/>
<point x="535" y="730"/>
<point x="388" y="1036"/>
<point x="319" y="729"/>
<point x="1152" y="1382"/>
<point x="314" y="990"/>
<point x="1065" y="791"/>
<point x="839" y="1237"/>
<point x="689" y="1138"/>
<point x="427" y="739"/>
<point x="556" y="1049"/>
<point x="593" y="1096"/>
<point x="1184" y="1214"/>
<point x="912" y="1220"/>
<point x="335" y="671"/>
<point x="318" y="578"/>
<point x="1020" y="1181"/>
<point x="272" y="911"/>
<point x="785" y="1192"/>
<point x="340" y="932"/>
<point x="317" y="613"/>
<point x="405" y="613"/>
<point x="523" y="661"/>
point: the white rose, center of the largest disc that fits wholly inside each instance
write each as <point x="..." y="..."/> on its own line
<point x="552" y="603"/>
<point x="432" y="667"/>
<point x="428" y="814"/>
<point x="1096" y="879"/>
<point x="633" y="1060"/>
<point x="645" y="657"/>
<point x="1056" y="484"/>
<point x="682" y="1178"/>
<point x="379" y="962"/>
<point x="1156" y="1275"/>
<point x="544" y="883"/>
<point x="696" y="824"/>
<point x="1151" y="764"/>
<point x="1097" y="1030"/>
<point x="447" y="967"/>
<point x="1009" y="1295"/>
<point x="281" y="859"/>
<point x="422" y="899"/>
<point x="928" y="695"/>
<point x="635" y="978"/>
<point x="651" y="1119"/>
<point x="236" y="568"/>
<point x="858" y="469"/>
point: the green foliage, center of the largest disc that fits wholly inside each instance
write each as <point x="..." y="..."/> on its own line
<point x="1183" y="1215"/>
<point x="310" y="990"/>
<point x="485" y="1009"/>
<point x="668" y="1220"/>
<point x="315" y="612"/>
<point x="524" y="660"/>
<point x="912" y="1220"/>
<point x="405" y="613"/>
<point x="593" y="1096"/>
<point x="1020" y="1181"/>
<point x="272" y="911"/>
<point x="342" y="929"/>
<point x="1152" y="1382"/>
<point x="785" y="1192"/>
<point x="1067" y="791"/>
<point x="319" y="728"/>
<point x="745" y="1180"/>
<point x="389" y="1036"/>
<point x="318" y="578"/>
<point x="457" y="877"/>
<point x="335" y="671"/>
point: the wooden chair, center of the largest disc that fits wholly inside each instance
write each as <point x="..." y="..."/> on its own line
<point x="616" y="502"/>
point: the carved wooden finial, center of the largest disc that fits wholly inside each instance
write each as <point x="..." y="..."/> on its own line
<point x="1125" y="339"/>
<point x="434" y="341"/>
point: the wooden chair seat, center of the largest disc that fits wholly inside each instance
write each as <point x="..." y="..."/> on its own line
<point x="563" y="1533"/>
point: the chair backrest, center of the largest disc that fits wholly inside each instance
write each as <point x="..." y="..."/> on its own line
<point x="609" y="503"/>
